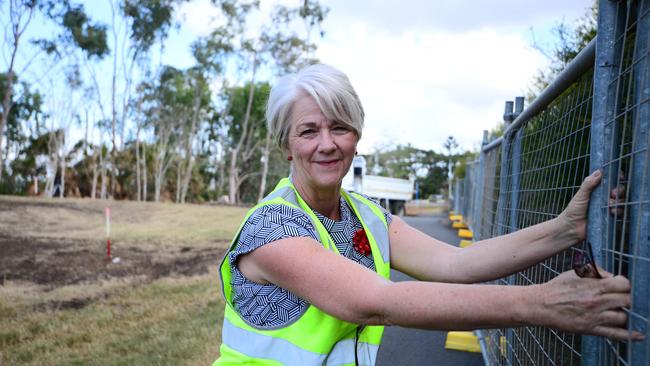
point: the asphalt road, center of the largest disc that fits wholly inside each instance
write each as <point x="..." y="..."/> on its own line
<point x="404" y="346"/>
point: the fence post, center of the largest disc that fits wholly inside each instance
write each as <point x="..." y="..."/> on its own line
<point x="479" y="191"/>
<point x="639" y="187"/>
<point x="457" y="197"/>
<point x="601" y="113"/>
<point x="505" y="170"/>
<point x="516" y="172"/>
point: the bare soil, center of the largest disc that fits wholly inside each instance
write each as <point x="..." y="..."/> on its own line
<point x="57" y="262"/>
<point x="40" y="244"/>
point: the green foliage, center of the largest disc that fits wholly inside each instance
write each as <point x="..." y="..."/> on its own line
<point x="428" y="167"/>
<point x="460" y="168"/>
<point x="150" y="20"/>
<point x="239" y="98"/>
<point x="251" y="165"/>
<point x="26" y="105"/>
<point x="497" y="131"/>
<point x="288" y="50"/>
<point x="91" y="38"/>
<point x="570" y="40"/>
<point x="434" y="181"/>
<point x="185" y="120"/>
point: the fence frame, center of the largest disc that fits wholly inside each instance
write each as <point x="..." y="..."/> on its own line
<point x="603" y="54"/>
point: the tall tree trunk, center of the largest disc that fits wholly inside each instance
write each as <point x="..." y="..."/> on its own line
<point x="144" y="172"/>
<point x="232" y="178"/>
<point x="63" y="168"/>
<point x="179" y="168"/>
<point x="234" y="171"/>
<point x="53" y="162"/>
<point x="113" y="106"/>
<point x="221" y="169"/>
<point x="162" y="161"/>
<point x="102" y="172"/>
<point x="93" y="192"/>
<point x="137" y="163"/>
<point x="17" y="32"/>
<point x="157" y="183"/>
<point x="189" y="151"/>
<point x="266" y="154"/>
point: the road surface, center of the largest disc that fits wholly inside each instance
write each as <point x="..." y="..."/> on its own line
<point x="403" y="346"/>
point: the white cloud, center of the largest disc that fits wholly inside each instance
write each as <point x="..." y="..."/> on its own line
<point x="199" y="16"/>
<point x="425" y="69"/>
<point x="419" y="88"/>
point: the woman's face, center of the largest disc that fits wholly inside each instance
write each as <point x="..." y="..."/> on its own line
<point x="322" y="150"/>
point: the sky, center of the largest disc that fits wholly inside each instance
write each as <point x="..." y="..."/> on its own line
<point x="425" y="70"/>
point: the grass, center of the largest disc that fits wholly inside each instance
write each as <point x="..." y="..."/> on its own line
<point x="128" y="320"/>
<point x="131" y="222"/>
<point x="171" y="321"/>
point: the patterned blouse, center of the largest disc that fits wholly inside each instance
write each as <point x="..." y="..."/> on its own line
<point x="269" y="306"/>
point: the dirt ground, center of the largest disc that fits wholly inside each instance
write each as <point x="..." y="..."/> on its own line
<point x="35" y="249"/>
<point x="57" y="262"/>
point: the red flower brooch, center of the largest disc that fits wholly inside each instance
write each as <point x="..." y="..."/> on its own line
<point x="361" y="243"/>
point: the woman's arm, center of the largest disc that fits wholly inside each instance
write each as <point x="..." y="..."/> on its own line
<point x="425" y="258"/>
<point x="356" y="294"/>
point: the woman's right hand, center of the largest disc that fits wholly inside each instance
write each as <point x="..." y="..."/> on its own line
<point x="587" y="305"/>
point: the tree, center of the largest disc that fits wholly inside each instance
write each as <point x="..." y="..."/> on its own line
<point x="569" y="41"/>
<point x="78" y="31"/>
<point x="290" y="52"/>
<point x="450" y="146"/>
<point x="200" y="107"/>
<point x="146" y="23"/>
<point x="248" y="105"/>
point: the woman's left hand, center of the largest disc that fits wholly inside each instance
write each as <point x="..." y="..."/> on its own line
<point x="574" y="215"/>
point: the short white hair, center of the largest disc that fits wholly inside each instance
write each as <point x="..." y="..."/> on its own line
<point x="330" y="88"/>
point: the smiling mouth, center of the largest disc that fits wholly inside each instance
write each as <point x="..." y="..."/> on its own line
<point x="327" y="162"/>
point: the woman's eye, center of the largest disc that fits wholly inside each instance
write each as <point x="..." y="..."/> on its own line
<point x="307" y="132"/>
<point x="340" y="129"/>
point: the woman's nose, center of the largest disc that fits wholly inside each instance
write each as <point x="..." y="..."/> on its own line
<point x="326" y="142"/>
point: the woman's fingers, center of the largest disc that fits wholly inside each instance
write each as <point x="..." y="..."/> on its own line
<point x="617" y="196"/>
<point x="614" y="317"/>
<point x="618" y="192"/>
<point x="589" y="305"/>
<point x="616" y="284"/>
<point x="619" y="334"/>
<point x="588" y="185"/>
<point x="592" y="180"/>
<point x="615" y="207"/>
<point x="604" y="273"/>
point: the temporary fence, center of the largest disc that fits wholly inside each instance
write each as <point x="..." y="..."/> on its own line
<point x="595" y="115"/>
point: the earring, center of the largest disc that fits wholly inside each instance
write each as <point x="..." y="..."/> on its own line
<point x="289" y="158"/>
<point x="356" y="153"/>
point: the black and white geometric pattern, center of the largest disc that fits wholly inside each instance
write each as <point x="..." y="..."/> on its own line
<point x="270" y="306"/>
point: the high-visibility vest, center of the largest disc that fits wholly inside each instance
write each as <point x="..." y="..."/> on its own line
<point x="315" y="338"/>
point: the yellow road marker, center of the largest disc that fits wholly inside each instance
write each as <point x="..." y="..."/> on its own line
<point x="462" y="341"/>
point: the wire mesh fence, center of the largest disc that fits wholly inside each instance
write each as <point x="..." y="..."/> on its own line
<point x="596" y="115"/>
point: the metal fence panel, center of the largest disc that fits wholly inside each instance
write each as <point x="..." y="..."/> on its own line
<point x="549" y="160"/>
<point x="486" y="226"/>
<point x="622" y="206"/>
<point x="596" y="115"/>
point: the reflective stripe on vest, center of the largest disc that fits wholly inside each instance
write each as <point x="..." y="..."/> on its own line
<point x="286" y="353"/>
<point x="315" y="338"/>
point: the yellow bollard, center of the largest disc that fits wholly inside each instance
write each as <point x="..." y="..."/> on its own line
<point x="458" y="225"/>
<point x="462" y="341"/>
<point x="502" y="346"/>
<point x="465" y="243"/>
<point x="456" y="217"/>
<point x="465" y="234"/>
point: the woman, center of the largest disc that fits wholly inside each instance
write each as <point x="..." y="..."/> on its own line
<point x="306" y="279"/>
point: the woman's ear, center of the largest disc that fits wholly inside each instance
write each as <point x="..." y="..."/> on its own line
<point x="287" y="153"/>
